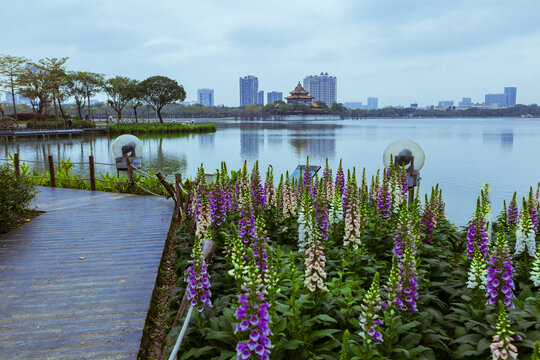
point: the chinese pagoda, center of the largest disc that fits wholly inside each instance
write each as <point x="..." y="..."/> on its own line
<point x="299" y="95"/>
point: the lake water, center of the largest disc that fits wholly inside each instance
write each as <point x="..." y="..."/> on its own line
<point x="461" y="154"/>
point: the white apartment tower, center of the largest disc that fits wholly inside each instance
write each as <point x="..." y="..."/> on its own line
<point x="322" y="87"/>
<point x="205" y="97"/>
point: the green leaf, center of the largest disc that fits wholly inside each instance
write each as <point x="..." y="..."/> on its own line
<point x="197" y="352"/>
<point x="294" y="344"/>
<point x="410" y="340"/>
<point x="406" y="327"/>
<point x="222" y="336"/>
<point x="469" y="339"/>
<point x="322" y="318"/>
<point x="322" y="333"/>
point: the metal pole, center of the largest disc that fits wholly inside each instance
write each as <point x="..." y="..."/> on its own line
<point x="51" y="171"/>
<point x="182" y="333"/>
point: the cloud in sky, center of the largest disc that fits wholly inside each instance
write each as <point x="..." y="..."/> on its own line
<point x="401" y="51"/>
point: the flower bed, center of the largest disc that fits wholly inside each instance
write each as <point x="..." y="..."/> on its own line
<point x="345" y="268"/>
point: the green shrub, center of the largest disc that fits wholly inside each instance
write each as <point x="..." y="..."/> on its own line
<point x="15" y="197"/>
<point x="159" y="128"/>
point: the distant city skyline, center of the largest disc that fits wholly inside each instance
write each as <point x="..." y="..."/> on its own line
<point x="401" y="52"/>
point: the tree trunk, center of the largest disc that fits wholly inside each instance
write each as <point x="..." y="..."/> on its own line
<point x="55" y="108"/>
<point x="61" y="110"/>
<point x="159" y="115"/>
<point x="79" y="107"/>
<point x="135" y="112"/>
<point x="89" y="112"/>
<point x="13" y="99"/>
<point x="118" y="114"/>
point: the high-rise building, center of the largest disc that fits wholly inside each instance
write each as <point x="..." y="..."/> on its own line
<point x="273" y="96"/>
<point x="353" y="105"/>
<point x="260" y="98"/>
<point x="249" y="90"/>
<point x="372" y="103"/>
<point x="445" y="104"/>
<point x="466" y="102"/>
<point x="498" y="99"/>
<point x="322" y="87"/>
<point x="205" y="97"/>
<point x="510" y="96"/>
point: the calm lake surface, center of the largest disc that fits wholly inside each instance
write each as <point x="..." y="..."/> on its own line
<point x="461" y="154"/>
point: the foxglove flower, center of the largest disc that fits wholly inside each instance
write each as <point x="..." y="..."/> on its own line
<point x="253" y="316"/>
<point x="513" y="211"/>
<point x="352" y="236"/>
<point x="246" y="227"/>
<point x="198" y="288"/>
<point x="315" y="260"/>
<point x="202" y="206"/>
<point x="340" y="178"/>
<point x="336" y="208"/>
<point x="269" y="189"/>
<point x="328" y="182"/>
<point x="392" y="287"/>
<point x="477" y="232"/>
<point x="535" y="270"/>
<point x="384" y="200"/>
<point x="289" y="199"/>
<point x="500" y="285"/>
<point x="320" y="207"/>
<point x="405" y="245"/>
<point x="369" y="319"/>
<point x="525" y="234"/>
<point x="431" y="214"/>
<point x="477" y="271"/>
<point x="502" y="347"/>
<point x="258" y="196"/>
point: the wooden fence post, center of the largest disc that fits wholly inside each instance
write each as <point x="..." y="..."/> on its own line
<point x="130" y="174"/>
<point x="16" y="164"/>
<point x="178" y="189"/>
<point x="51" y="171"/>
<point x="92" y="173"/>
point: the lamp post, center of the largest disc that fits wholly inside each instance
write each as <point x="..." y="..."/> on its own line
<point x="410" y="155"/>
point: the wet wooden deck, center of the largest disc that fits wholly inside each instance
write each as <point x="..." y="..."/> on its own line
<point x="76" y="282"/>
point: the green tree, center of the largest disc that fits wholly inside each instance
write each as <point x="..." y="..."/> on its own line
<point x="119" y="89"/>
<point x="76" y="89"/>
<point x="338" y="108"/>
<point x="33" y="84"/>
<point x="159" y="91"/>
<point x="136" y="98"/>
<point x="322" y="104"/>
<point x="92" y="84"/>
<point x="10" y="69"/>
<point x="55" y="79"/>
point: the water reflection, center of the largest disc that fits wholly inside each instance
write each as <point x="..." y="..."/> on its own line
<point x="505" y="139"/>
<point x="461" y="154"/>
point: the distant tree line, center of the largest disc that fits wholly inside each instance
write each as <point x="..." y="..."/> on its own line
<point x="48" y="84"/>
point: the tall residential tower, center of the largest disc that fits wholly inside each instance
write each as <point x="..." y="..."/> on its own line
<point x="322" y="87"/>
<point x="249" y="90"/>
<point x="205" y="97"/>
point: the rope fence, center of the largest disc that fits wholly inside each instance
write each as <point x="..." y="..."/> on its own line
<point x="92" y="179"/>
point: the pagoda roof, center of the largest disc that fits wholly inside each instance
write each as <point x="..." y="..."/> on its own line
<point x="299" y="93"/>
<point x="299" y="90"/>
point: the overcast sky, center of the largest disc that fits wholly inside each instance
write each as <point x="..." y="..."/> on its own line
<point x="401" y="51"/>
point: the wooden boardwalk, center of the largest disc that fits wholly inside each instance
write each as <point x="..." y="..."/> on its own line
<point x="76" y="282"/>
